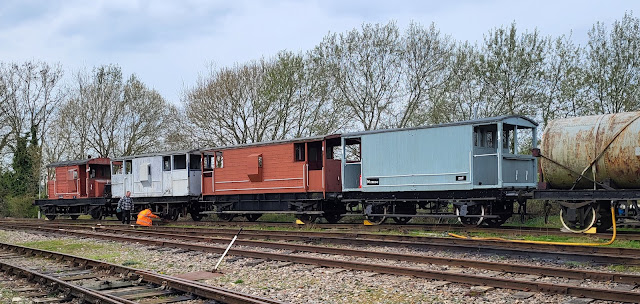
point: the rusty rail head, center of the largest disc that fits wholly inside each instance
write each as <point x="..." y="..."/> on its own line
<point x="206" y="291"/>
<point x="77" y="291"/>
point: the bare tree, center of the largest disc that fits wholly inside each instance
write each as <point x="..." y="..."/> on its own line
<point x="426" y="68"/>
<point x="510" y="67"/>
<point x="29" y="93"/>
<point x="107" y="117"/>
<point x="144" y="116"/>
<point x="5" y="128"/>
<point x="227" y="107"/>
<point x="612" y="66"/>
<point x="562" y="84"/>
<point x="103" y="94"/>
<point x="179" y="132"/>
<point x="302" y="105"/>
<point x="462" y="94"/>
<point x="364" y="71"/>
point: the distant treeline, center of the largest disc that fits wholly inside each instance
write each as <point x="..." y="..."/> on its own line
<point x="376" y="76"/>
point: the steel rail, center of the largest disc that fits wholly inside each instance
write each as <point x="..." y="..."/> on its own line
<point x="511" y="230"/>
<point x="631" y="254"/>
<point x="578" y="291"/>
<point x="199" y="289"/>
<point x="601" y="255"/>
<point x="523" y="269"/>
<point x="74" y="290"/>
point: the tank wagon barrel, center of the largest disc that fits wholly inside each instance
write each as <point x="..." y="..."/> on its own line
<point x="587" y="164"/>
<point x="604" y="148"/>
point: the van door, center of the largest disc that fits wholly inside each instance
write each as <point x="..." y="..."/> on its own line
<point x="314" y="166"/>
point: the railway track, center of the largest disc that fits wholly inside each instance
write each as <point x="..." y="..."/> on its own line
<point x="501" y="279"/>
<point x="504" y="230"/>
<point x="596" y="255"/>
<point x="100" y="282"/>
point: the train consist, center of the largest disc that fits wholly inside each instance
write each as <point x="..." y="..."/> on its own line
<point x="478" y="171"/>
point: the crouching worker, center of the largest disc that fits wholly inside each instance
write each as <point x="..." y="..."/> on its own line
<point x="144" y="217"/>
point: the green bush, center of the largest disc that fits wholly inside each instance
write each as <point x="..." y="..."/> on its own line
<point x="20" y="206"/>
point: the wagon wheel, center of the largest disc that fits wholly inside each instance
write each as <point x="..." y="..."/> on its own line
<point x="578" y="220"/>
<point x="51" y="217"/>
<point x="332" y="218"/>
<point x="96" y="213"/>
<point x="226" y="216"/>
<point x="74" y="217"/>
<point x="401" y="220"/>
<point x="496" y="222"/>
<point x="404" y="209"/>
<point x="196" y="216"/>
<point x="307" y="218"/>
<point x="253" y="216"/>
<point x="172" y="216"/>
<point x="377" y="219"/>
<point x="471" y="210"/>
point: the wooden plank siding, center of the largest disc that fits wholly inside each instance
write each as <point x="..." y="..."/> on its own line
<point x="68" y="185"/>
<point x="280" y="173"/>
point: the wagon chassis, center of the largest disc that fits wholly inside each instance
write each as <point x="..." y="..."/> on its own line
<point x="471" y="207"/>
<point x="584" y="209"/>
<point x="306" y="206"/>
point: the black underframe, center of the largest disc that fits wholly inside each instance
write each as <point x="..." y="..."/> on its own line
<point x="587" y="195"/>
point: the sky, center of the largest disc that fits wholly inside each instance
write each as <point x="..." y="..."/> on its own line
<point x="169" y="44"/>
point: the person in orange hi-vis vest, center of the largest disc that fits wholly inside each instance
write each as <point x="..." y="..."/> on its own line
<point x="144" y="217"/>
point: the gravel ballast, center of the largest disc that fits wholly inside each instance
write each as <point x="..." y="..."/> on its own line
<point x="290" y="282"/>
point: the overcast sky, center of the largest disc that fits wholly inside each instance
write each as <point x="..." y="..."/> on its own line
<point x="169" y="43"/>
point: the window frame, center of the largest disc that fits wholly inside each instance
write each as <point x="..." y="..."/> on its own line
<point x="176" y="158"/>
<point x="167" y="163"/>
<point x="299" y="153"/>
<point x="219" y="160"/>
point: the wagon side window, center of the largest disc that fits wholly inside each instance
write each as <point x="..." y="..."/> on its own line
<point x="477" y="137"/>
<point x="116" y="168"/>
<point x="194" y="161"/>
<point x="489" y="139"/>
<point x="128" y="164"/>
<point x="524" y="140"/>
<point x="353" y="150"/>
<point x="507" y="141"/>
<point x="166" y="163"/>
<point x="179" y="162"/>
<point x="208" y="161"/>
<point x="219" y="160"/>
<point x="298" y="151"/>
<point x="334" y="149"/>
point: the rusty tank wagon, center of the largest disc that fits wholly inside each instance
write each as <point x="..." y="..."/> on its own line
<point x="588" y="165"/>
